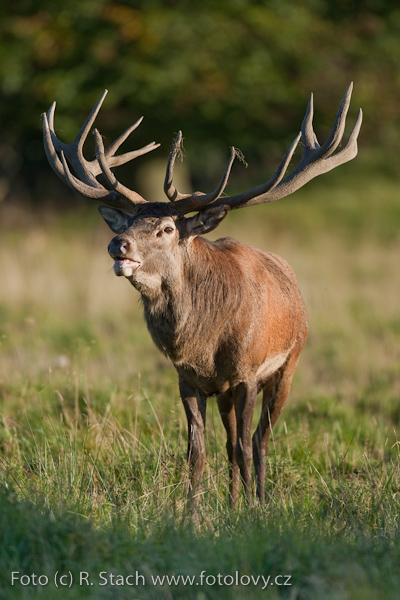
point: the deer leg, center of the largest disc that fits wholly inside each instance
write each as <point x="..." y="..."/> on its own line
<point x="195" y="407"/>
<point x="245" y="397"/>
<point x="275" y="393"/>
<point x="227" y="411"/>
<point x="272" y="404"/>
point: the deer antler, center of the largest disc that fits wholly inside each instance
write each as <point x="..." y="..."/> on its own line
<point x="86" y="172"/>
<point x="315" y="160"/>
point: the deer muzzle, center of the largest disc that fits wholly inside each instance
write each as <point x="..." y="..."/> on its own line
<point x="124" y="264"/>
<point x="125" y="267"/>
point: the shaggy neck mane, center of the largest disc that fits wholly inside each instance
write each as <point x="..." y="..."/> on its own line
<point x="179" y="318"/>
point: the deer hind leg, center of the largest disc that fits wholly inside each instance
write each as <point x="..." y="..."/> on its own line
<point x="273" y="400"/>
<point x="245" y="398"/>
<point x="195" y="407"/>
<point x="275" y="393"/>
<point x="227" y="411"/>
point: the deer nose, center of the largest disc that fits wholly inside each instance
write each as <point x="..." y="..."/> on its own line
<point x="118" y="248"/>
<point x="125" y="247"/>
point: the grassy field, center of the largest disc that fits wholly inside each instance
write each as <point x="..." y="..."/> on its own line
<point x="93" y="436"/>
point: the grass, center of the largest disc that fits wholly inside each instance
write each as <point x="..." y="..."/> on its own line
<point x="93" y="437"/>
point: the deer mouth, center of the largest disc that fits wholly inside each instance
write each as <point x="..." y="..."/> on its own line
<point x="125" y="266"/>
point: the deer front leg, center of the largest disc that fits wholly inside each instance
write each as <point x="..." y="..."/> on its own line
<point x="245" y="398"/>
<point x="194" y="403"/>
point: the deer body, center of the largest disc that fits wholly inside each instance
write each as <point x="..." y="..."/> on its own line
<point x="233" y="313"/>
<point x="231" y="318"/>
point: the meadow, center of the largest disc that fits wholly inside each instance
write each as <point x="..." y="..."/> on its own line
<point x="93" y="436"/>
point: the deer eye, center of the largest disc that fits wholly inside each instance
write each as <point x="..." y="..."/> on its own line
<point x="168" y="230"/>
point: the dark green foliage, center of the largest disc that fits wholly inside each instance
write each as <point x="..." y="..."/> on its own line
<point x="227" y="73"/>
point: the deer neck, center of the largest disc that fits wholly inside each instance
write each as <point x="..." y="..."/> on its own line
<point x="165" y="308"/>
<point x="178" y="316"/>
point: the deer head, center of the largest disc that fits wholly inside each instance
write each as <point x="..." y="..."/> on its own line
<point x="147" y="229"/>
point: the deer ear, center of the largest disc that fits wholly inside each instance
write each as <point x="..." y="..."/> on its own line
<point x="117" y="220"/>
<point x="206" y="220"/>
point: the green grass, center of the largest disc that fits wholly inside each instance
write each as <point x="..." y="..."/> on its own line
<point x="93" y="437"/>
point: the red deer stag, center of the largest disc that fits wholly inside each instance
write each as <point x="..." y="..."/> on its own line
<point x="230" y="317"/>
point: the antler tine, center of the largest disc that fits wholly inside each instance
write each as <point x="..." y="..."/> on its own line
<point x="170" y="191"/>
<point x="116" y="161"/>
<point x="49" y="145"/>
<point x="186" y="203"/>
<point x="337" y="132"/>
<point x="86" y="127"/>
<point x="110" y="177"/>
<point x="86" y="172"/>
<point x="112" y="148"/>
<point x="309" y="138"/>
<point x="350" y="149"/>
<point x="315" y="160"/>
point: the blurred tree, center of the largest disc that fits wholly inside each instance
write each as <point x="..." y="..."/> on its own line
<point x="233" y="72"/>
